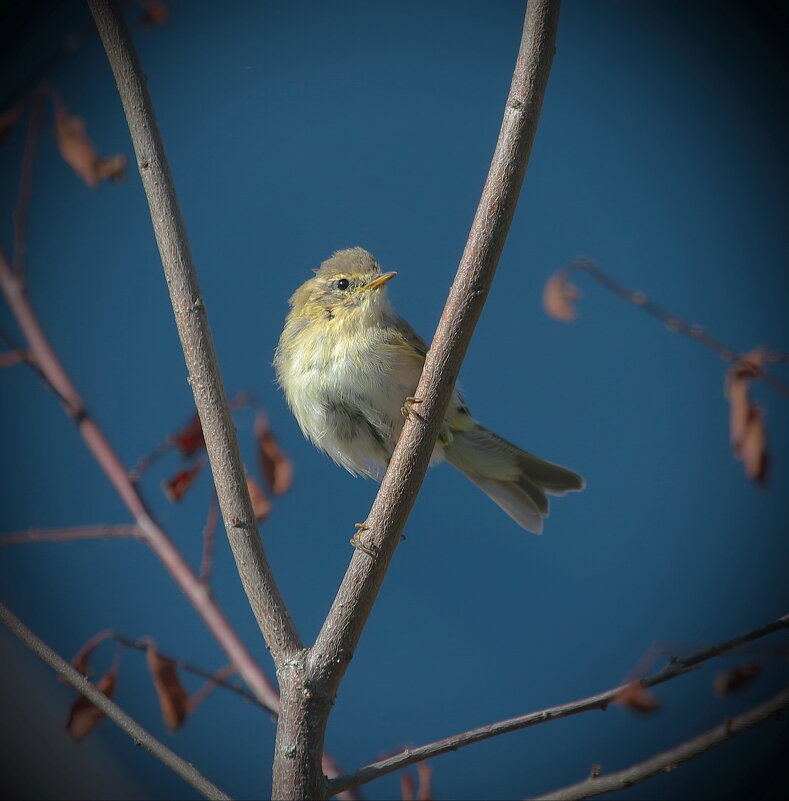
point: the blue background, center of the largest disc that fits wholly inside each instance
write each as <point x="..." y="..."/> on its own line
<point x="297" y="129"/>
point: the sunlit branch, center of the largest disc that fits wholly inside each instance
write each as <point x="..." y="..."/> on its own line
<point x="669" y="760"/>
<point x="675" y="667"/>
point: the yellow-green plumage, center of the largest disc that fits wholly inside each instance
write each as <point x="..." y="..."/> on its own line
<point x="347" y="362"/>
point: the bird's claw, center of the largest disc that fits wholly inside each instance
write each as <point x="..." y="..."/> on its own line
<point x="408" y="408"/>
<point x="356" y="541"/>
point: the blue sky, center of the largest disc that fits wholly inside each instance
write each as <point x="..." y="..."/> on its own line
<point x="294" y="130"/>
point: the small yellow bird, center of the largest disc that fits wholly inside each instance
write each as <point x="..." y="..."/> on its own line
<point x="348" y="363"/>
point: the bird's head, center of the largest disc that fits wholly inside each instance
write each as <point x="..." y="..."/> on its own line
<point x="349" y="285"/>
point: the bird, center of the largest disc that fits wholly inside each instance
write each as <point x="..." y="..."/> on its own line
<point x="349" y="365"/>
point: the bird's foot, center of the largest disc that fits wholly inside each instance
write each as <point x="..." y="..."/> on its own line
<point x="408" y="408"/>
<point x="356" y="541"/>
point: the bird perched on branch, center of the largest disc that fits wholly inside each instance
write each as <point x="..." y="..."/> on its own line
<point x="349" y="366"/>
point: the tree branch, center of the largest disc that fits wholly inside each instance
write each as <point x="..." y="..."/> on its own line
<point x="48" y="365"/>
<point x="341" y="631"/>
<point x="139" y="735"/>
<point x="195" y="334"/>
<point x="674" y="668"/>
<point x="309" y="687"/>
<point x="669" y="760"/>
<point x="71" y="533"/>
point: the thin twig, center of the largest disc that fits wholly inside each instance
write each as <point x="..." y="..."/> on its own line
<point x="209" y="535"/>
<point x="9" y="358"/>
<point x="669" y="760"/>
<point x="195" y="334"/>
<point x="25" y="182"/>
<point x="139" y="735"/>
<point x="100" y="532"/>
<point x="46" y="363"/>
<point x="674" y="323"/>
<point x="675" y="667"/>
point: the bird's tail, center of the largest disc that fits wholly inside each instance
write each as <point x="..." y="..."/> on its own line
<point x="514" y="479"/>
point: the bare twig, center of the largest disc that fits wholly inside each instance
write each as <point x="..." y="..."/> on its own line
<point x="209" y="534"/>
<point x="139" y="735"/>
<point x="25" y="181"/>
<point x="73" y="533"/>
<point x="9" y="358"/>
<point x="674" y="323"/>
<point x="669" y="760"/>
<point x="194" y="331"/>
<point x="675" y="667"/>
<point x="308" y="687"/>
<point x="46" y="363"/>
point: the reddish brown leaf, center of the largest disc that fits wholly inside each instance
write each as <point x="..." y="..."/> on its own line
<point x="111" y="167"/>
<point x="753" y="448"/>
<point x="8" y="119"/>
<point x="406" y="786"/>
<point x="637" y="698"/>
<point x="173" y="699"/>
<point x="78" y="151"/>
<point x="424" y="793"/>
<point x="747" y="431"/>
<point x="190" y="438"/>
<point x="261" y="505"/>
<point x="408" y="789"/>
<point x="275" y="466"/>
<point x="559" y="296"/>
<point x="9" y="358"/>
<point x="735" y="679"/>
<point x="154" y="13"/>
<point x="80" y="660"/>
<point x="84" y="715"/>
<point x="175" y="487"/>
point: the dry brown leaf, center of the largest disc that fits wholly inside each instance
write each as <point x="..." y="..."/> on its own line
<point x="637" y="698"/>
<point x="559" y="296"/>
<point x="85" y="715"/>
<point x="261" y="505"/>
<point x="424" y="793"/>
<point x="154" y="13"/>
<point x="173" y="699"/>
<point x="78" y="151"/>
<point x="9" y="118"/>
<point x="176" y="486"/>
<point x="735" y="679"/>
<point x="190" y="438"/>
<point x="111" y="167"/>
<point x="277" y="468"/>
<point x="406" y="786"/>
<point x="753" y="448"/>
<point x="747" y="431"/>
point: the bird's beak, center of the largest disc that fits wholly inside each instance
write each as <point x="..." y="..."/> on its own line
<point x="380" y="281"/>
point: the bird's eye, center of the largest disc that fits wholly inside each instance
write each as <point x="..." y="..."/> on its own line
<point x="343" y="283"/>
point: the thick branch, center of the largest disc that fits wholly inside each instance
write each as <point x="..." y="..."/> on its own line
<point x="342" y="629"/>
<point x="139" y="735"/>
<point x="675" y="668"/>
<point x="194" y="331"/>
<point x="669" y="760"/>
<point x="309" y="686"/>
